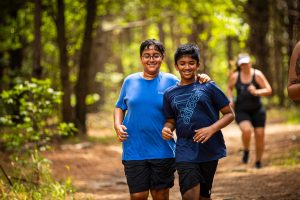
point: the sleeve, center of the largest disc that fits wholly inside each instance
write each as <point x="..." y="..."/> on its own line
<point x="121" y="102"/>
<point x="218" y="96"/>
<point x="168" y="111"/>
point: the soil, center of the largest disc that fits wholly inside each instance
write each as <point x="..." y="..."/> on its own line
<point x="97" y="172"/>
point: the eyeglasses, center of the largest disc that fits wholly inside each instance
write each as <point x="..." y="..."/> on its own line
<point x="154" y="57"/>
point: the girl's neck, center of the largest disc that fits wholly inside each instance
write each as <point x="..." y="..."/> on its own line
<point x="247" y="71"/>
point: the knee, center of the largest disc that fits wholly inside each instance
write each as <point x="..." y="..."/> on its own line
<point x="247" y="130"/>
<point x="139" y="195"/>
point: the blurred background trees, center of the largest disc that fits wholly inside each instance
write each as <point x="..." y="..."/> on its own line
<point x="86" y="48"/>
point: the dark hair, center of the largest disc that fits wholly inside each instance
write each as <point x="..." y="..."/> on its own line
<point x="157" y="46"/>
<point x="187" y="50"/>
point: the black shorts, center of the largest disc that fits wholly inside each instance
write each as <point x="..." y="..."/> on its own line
<point x="192" y="174"/>
<point x="256" y="117"/>
<point x="143" y="175"/>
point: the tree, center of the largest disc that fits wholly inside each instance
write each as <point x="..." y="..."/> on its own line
<point x="37" y="68"/>
<point x="81" y="87"/>
<point x="258" y="18"/>
<point x="67" y="111"/>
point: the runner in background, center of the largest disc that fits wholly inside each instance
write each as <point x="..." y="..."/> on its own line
<point x="250" y="85"/>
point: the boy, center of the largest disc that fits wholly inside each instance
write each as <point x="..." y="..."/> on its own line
<point x="193" y="109"/>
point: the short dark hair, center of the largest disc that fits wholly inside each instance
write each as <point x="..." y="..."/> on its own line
<point x="187" y="50"/>
<point x="157" y="46"/>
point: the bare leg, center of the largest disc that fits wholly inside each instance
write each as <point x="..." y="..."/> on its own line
<point x="246" y="128"/>
<point x="192" y="194"/>
<point x="259" y="142"/>
<point x="162" y="194"/>
<point x="139" y="195"/>
<point x="204" y="198"/>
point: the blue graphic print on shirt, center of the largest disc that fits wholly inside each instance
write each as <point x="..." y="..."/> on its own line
<point x="193" y="107"/>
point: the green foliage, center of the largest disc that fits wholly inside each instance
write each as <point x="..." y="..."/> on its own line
<point x="29" y="108"/>
<point x="32" y="179"/>
<point x="290" y="159"/>
<point x="105" y="140"/>
<point x="28" y="126"/>
<point x="289" y="115"/>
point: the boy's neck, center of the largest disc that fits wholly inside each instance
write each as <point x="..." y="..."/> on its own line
<point x="187" y="81"/>
<point x="148" y="76"/>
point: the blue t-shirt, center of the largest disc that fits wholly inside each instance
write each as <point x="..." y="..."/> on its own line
<point x="195" y="106"/>
<point x="143" y="101"/>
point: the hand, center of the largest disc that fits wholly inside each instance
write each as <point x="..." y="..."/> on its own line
<point x="203" y="78"/>
<point x="120" y="130"/>
<point x="203" y="134"/>
<point x="252" y="90"/>
<point x="167" y="133"/>
<point x="231" y="104"/>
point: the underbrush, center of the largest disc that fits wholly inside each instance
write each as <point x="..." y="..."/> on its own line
<point x="25" y="133"/>
<point x="29" y="176"/>
<point x="290" y="115"/>
<point x="288" y="159"/>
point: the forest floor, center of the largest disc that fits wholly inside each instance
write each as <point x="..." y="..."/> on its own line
<point x="97" y="173"/>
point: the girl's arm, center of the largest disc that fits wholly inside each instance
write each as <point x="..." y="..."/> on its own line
<point x="230" y="86"/>
<point x="265" y="87"/>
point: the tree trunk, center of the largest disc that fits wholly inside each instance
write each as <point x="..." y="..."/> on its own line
<point x="101" y="51"/>
<point x="67" y="111"/>
<point x="230" y="54"/>
<point x="15" y="64"/>
<point x="84" y="68"/>
<point x="162" y="39"/>
<point x="258" y="17"/>
<point x="37" y="68"/>
<point x="293" y="27"/>
<point x="2" y="66"/>
<point x="277" y="14"/>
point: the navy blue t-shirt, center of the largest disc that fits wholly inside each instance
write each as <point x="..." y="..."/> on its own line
<point x="195" y="106"/>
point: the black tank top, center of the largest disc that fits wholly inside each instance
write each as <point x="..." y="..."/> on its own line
<point x="245" y="100"/>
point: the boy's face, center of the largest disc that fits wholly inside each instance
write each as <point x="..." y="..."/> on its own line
<point x="151" y="59"/>
<point x="187" y="68"/>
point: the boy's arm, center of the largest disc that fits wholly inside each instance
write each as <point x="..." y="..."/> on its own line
<point x="294" y="91"/>
<point x="203" y="134"/>
<point x="169" y="127"/>
<point x="118" y="126"/>
<point x="294" y="74"/>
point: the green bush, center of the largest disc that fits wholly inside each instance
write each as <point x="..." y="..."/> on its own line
<point x="29" y="110"/>
<point x="28" y="124"/>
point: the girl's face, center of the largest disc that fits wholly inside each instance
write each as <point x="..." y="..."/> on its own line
<point x="151" y="59"/>
<point x="187" y="68"/>
<point x="245" y="66"/>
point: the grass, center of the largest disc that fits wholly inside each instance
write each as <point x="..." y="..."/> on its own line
<point x="291" y="158"/>
<point x="104" y="140"/>
<point x="289" y="115"/>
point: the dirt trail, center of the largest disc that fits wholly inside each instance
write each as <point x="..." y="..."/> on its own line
<point x="97" y="172"/>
